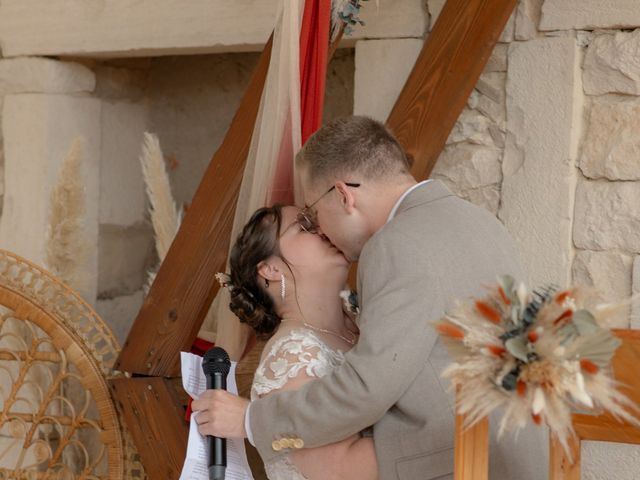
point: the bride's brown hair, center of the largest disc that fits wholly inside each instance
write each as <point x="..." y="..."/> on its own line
<point x="250" y="300"/>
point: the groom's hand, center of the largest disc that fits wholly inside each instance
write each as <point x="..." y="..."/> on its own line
<point x="220" y="414"/>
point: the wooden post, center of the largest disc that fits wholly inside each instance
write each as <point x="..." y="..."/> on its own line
<point x="471" y="451"/>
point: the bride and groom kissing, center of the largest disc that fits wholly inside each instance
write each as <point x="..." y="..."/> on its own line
<point x="324" y="378"/>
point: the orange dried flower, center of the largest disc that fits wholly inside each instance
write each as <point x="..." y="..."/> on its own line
<point x="566" y="314"/>
<point x="521" y="388"/>
<point x="497" y="350"/>
<point x="450" y="330"/>
<point x="488" y="311"/>
<point x="504" y="297"/>
<point x="588" y="366"/>
<point x="561" y="297"/>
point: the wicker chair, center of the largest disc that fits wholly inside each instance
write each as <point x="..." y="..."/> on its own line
<point x="57" y="418"/>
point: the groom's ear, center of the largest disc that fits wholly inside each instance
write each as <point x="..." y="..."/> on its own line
<point x="347" y="200"/>
<point x="268" y="271"/>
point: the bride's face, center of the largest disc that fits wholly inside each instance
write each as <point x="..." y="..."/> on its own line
<point x="307" y="252"/>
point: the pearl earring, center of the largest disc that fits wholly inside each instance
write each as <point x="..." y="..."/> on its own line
<point x="282" y="286"/>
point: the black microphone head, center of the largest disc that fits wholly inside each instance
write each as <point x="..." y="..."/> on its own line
<point x="216" y="360"/>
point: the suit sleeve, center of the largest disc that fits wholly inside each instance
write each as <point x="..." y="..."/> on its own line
<point x="399" y="300"/>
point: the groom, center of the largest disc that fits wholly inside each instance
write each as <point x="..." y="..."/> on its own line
<point x="419" y="248"/>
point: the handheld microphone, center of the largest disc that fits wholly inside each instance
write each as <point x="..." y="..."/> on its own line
<point x="216" y="366"/>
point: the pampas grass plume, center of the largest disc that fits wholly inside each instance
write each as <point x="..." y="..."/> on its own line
<point x="66" y="247"/>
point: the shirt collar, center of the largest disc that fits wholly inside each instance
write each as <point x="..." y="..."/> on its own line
<point x="403" y="196"/>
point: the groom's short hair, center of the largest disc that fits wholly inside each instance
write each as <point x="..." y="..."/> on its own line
<point x="354" y="144"/>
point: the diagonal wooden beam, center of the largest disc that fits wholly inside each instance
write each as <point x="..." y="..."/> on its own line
<point x="445" y="73"/>
<point x="155" y="418"/>
<point x="184" y="288"/>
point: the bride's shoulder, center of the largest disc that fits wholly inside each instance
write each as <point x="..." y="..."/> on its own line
<point x="293" y="356"/>
<point x="294" y="340"/>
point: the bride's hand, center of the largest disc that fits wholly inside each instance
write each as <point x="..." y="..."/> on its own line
<point x="220" y="414"/>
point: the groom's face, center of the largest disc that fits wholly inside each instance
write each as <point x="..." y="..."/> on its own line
<point x="327" y="205"/>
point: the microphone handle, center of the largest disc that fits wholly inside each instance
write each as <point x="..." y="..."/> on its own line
<point x="216" y="446"/>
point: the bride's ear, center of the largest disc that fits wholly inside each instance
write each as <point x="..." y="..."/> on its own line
<point x="268" y="271"/>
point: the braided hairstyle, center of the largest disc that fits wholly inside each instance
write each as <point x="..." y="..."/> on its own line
<point x="250" y="301"/>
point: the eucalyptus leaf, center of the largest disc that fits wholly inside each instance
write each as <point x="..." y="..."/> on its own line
<point x="517" y="347"/>
<point x="585" y="322"/>
<point x="515" y="316"/>
<point x="598" y="347"/>
<point x="507" y="282"/>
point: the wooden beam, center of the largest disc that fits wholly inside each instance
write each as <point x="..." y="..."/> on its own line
<point x="444" y="75"/>
<point x="155" y="419"/>
<point x="184" y="287"/>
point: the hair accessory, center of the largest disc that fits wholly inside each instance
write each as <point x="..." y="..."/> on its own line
<point x="282" y="286"/>
<point x="225" y="281"/>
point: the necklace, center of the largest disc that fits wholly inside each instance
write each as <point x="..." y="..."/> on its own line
<point x="351" y="341"/>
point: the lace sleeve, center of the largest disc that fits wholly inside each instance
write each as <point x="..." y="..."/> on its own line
<point x="293" y="360"/>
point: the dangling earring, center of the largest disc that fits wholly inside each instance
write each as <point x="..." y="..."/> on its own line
<point x="282" y="286"/>
<point x="266" y="282"/>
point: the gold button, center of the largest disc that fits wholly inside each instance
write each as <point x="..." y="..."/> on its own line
<point x="277" y="445"/>
<point x="298" y="443"/>
<point x="287" y="443"/>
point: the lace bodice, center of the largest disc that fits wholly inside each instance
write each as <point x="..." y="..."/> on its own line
<point x="299" y="352"/>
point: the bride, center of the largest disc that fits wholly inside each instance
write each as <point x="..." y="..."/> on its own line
<point x="285" y="283"/>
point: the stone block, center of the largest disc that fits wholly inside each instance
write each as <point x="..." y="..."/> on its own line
<point x="38" y="132"/>
<point x="472" y="172"/>
<point x="609" y="273"/>
<point x="122" y="188"/>
<point x="612" y="64"/>
<point x="120" y="312"/>
<point x="495" y="111"/>
<point x="635" y="307"/>
<point x="492" y="84"/>
<point x="498" y="60"/>
<point x="543" y="113"/>
<point x="44" y="75"/>
<point x="589" y="14"/>
<point x="607" y="216"/>
<point x="527" y="19"/>
<point x="125" y="254"/>
<point x="382" y="68"/>
<point x="434" y="7"/>
<point x="472" y="127"/>
<point x="95" y="28"/>
<point x="392" y="19"/>
<point x="469" y="166"/>
<point x="611" y="147"/>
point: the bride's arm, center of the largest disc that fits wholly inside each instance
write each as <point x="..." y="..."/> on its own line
<point x="353" y="457"/>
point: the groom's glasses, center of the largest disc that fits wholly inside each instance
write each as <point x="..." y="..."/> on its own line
<point x="307" y="218"/>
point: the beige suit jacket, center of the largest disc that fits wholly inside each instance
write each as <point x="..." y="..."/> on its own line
<point x="437" y="248"/>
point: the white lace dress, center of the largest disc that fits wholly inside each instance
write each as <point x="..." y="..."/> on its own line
<point x="298" y="353"/>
